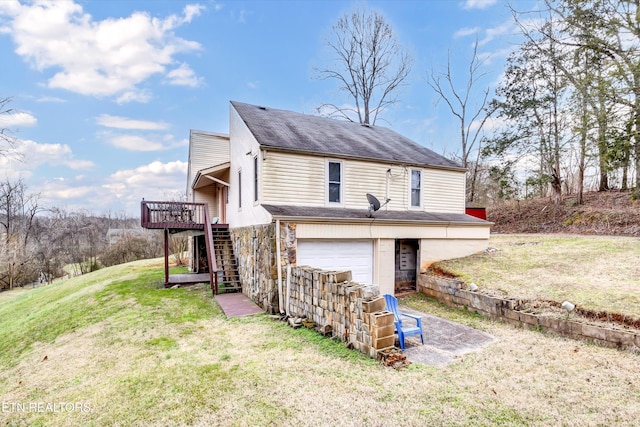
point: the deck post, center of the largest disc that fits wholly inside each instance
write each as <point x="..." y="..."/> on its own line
<point x="166" y="257"/>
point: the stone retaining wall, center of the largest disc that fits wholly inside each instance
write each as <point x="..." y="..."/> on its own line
<point x="352" y="312"/>
<point x="451" y="293"/>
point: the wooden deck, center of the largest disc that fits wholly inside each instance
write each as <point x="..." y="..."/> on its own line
<point x="188" y="279"/>
<point x="175" y="217"/>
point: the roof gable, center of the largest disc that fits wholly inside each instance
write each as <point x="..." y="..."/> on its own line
<point x="290" y="131"/>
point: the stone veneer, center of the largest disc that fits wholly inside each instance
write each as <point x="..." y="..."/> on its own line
<point x="255" y="250"/>
<point x="450" y="292"/>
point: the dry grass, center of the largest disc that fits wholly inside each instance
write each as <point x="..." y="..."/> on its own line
<point x="141" y="365"/>
<point x="595" y="273"/>
<point x="603" y="213"/>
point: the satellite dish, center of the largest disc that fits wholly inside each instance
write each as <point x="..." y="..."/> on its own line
<point x="374" y="203"/>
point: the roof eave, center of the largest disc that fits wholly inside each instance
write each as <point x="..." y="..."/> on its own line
<point x="207" y="171"/>
<point x="387" y="221"/>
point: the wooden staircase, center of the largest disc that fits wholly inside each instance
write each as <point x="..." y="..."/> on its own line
<point x="175" y="217"/>
<point x="228" y="278"/>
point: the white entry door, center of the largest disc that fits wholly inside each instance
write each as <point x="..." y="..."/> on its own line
<point x="354" y="255"/>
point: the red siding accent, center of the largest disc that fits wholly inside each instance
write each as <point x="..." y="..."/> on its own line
<point x="477" y="212"/>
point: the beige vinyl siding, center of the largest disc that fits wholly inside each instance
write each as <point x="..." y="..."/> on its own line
<point x="206" y="150"/>
<point x="295" y="179"/>
<point x="207" y="195"/>
<point x="361" y="178"/>
<point x="288" y="178"/>
<point x="444" y="191"/>
<point x="292" y="179"/>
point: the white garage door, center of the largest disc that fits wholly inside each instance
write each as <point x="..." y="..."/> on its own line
<point x="354" y="255"/>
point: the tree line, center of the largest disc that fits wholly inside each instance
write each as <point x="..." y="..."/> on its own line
<point x="38" y="244"/>
<point x="568" y="100"/>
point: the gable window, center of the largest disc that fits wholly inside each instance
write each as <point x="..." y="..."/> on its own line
<point x="255" y="179"/>
<point x="240" y="189"/>
<point x="416" y="178"/>
<point x="334" y="183"/>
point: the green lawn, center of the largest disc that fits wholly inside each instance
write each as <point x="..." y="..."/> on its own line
<point x="596" y="273"/>
<point x="131" y="353"/>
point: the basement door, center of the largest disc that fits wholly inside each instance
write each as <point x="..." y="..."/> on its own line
<point x="354" y="255"/>
<point x="406" y="264"/>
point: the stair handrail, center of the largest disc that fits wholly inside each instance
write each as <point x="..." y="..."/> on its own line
<point x="213" y="266"/>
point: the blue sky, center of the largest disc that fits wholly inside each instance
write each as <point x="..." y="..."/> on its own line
<point x="107" y="91"/>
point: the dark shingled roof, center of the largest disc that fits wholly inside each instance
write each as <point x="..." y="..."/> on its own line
<point x="290" y="131"/>
<point x="381" y="215"/>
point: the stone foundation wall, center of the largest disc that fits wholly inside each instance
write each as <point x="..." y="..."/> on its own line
<point x="351" y="312"/>
<point x="255" y="249"/>
<point x="451" y="293"/>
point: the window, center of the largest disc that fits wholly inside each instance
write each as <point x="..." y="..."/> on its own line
<point x="334" y="188"/>
<point x="240" y="189"/>
<point x="255" y="179"/>
<point x="415" y="188"/>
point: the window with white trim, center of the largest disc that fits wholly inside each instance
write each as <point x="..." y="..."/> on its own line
<point x="334" y="182"/>
<point x="239" y="188"/>
<point x="255" y="179"/>
<point x="415" y="186"/>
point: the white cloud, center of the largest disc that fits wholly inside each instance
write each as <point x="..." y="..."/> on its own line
<point x="152" y="182"/>
<point x="505" y="29"/>
<point x="141" y="96"/>
<point x="17" y="119"/>
<point x="478" y="4"/>
<point x="103" y="58"/>
<point x="51" y="99"/>
<point x="28" y="155"/>
<point x="125" y="123"/>
<point x="121" y="191"/>
<point x="492" y="123"/>
<point x="142" y="142"/>
<point x="183" y="76"/>
<point x="63" y="191"/>
<point x="489" y="58"/>
<point x="135" y="143"/>
<point x="463" y="32"/>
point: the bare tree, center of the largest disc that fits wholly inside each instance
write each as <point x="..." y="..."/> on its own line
<point x="369" y="65"/>
<point x="18" y="209"/>
<point x="472" y="118"/>
<point x="7" y="142"/>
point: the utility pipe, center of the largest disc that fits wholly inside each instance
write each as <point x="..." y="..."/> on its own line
<point x="288" y="288"/>
<point x="279" y="265"/>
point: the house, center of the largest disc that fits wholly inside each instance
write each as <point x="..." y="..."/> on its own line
<point x="293" y="190"/>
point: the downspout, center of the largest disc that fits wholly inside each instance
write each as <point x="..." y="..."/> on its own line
<point x="279" y="265"/>
<point x="288" y="288"/>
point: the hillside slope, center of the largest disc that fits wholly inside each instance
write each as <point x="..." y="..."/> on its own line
<point x="603" y="213"/>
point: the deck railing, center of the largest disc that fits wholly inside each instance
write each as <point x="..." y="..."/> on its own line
<point x="177" y="215"/>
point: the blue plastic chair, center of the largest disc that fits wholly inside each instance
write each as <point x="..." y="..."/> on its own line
<point x="402" y="331"/>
